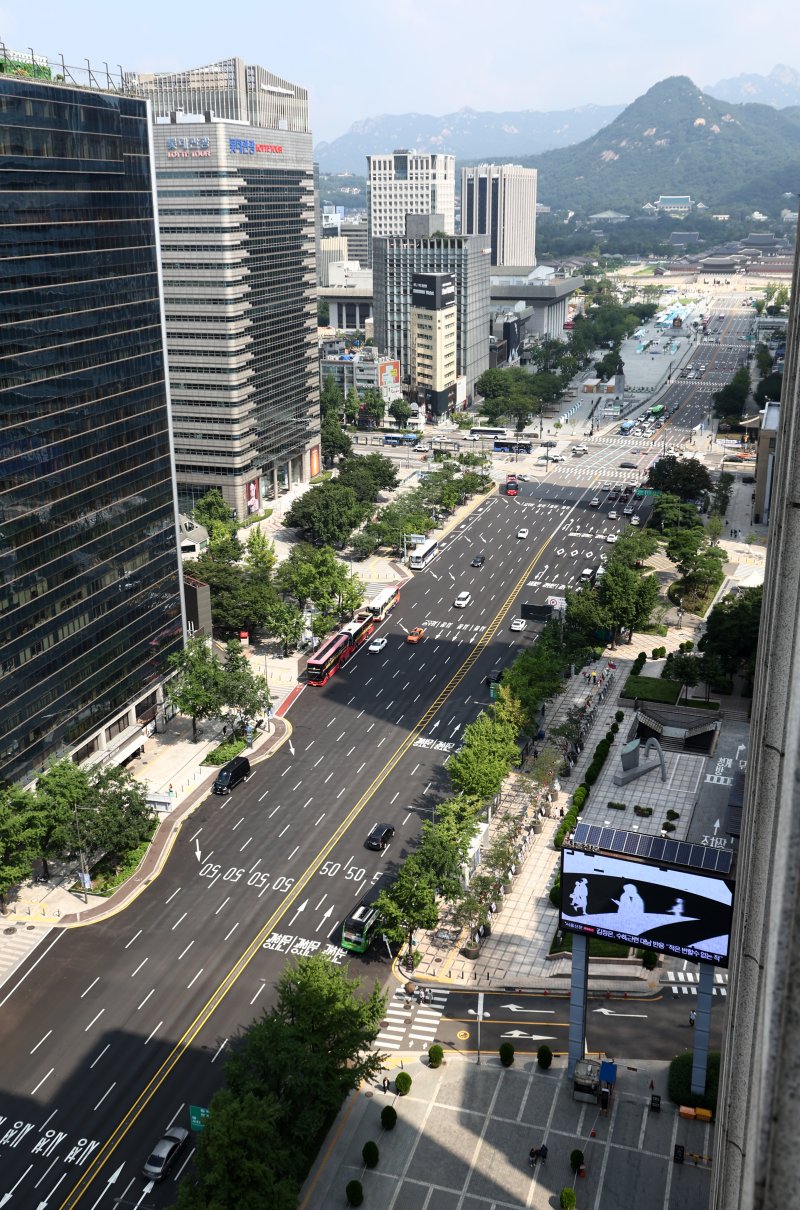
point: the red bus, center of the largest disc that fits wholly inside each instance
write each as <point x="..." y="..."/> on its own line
<point x="512" y="486"/>
<point x="331" y="655"/>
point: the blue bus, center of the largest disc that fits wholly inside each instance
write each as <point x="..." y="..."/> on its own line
<point x="400" y="438"/>
<point x="510" y="445"/>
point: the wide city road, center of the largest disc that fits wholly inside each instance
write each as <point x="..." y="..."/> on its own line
<point x="111" y="1032"/>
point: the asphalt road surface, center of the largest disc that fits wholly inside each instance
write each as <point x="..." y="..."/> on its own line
<point x="110" y="1033"/>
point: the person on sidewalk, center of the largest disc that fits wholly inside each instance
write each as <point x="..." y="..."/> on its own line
<point x="692" y="1018"/>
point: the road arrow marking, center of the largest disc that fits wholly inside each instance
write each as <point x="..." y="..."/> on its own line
<point x="147" y="1189"/>
<point x="716" y="827"/>
<point x="402" y="627"/>
<point x="519" y="1008"/>
<point x="7" y="1196"/>
<point x="291" y="747"/>
<point x="436" y="724"/>
<point x="324" y="918"/>
<point x="609" y="1012"/>
<point x="300" y="908"/>
<point x="197" y="852"/>
<point x="519" y="1033"/>
<point x="474" y="1012"/>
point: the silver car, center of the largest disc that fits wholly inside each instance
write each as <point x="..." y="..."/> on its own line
<point x="165" y="1153"/>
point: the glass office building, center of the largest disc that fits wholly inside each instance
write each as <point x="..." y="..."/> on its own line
<point x="236" y="204"/>
<point x="90" y="596"/>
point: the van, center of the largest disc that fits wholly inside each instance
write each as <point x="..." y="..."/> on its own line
<point x="231" y="774"/>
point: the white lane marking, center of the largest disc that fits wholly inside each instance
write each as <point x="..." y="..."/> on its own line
<point x="39" y="1085"/>
<point x="233" y="930"/>
<point x="103" y="1097"/>
<point x="297" y="787"/>
<point x="153" y="1032"/>
<point x="139" y="967"/>
<point x="97" y="979"/>
<point x="333" y="720"/>
<point x="97" y="1018"/>
<point x="220" y="1049"/>
<point x="258" y="993"/>
<point x="311" y="745"/>
<point x="286" y="829"/>
<point x="361" y="766"/>
<point x="246" y="843"/>
<point x="99" y="1057"/>
<point x="305" y="804"/>
<point x="272" y="812"/>
<point x="383" y="741"/>
<point x="318" y="762"/>
<point x="350" y="753"/>
<point x="41" y="1040"/>
<point x="222" y="905"/>
<point x="341" y="792"/>
<point x="235" y="826"/>
<point x="147" y="997"/>
<point x="327" y="779"/>
<point x="186" y="951"/>
<point x="413" y="771"/>
<point x="178" y="921"/>
<point x="319" y="821"/>
<point x="197" y="976"/>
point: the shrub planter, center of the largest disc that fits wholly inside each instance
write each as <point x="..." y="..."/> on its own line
<point x="506" y="1053"/>
<point x="388" y="1117"/>
<point x="470" y="950"/>
<point x="576" y="1160"/>
<point x="435" y="1055"/>
<point x="354" y="1193"/>
<point x="567" y="1198"/>
<point x="544" y="1057"/>
<point x="370" y="1154"/>
<point x="643" y="812"/>
<point x="402" y="1083"/>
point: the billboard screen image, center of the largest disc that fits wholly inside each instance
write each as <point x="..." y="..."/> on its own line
<point x="253" y="497"/>
<point x="388" y="373"/>
<point x="673" y="911"/>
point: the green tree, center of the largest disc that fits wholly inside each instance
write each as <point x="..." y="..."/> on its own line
<point x="212" y="507"/>
<point x="196" y="689"/>
<point x="373" y="407"/>
<point x="20" y="839"/>
<point x="684" y="670"/>
<point x="382" y="470"/>
<point x="683" y="477"/>
<point x="260" y="556"/>
<point x="331" y="398"/>
<point x="286" y="623"/>
<point x="488" y="753"/>
<point x="352" y="406"/>
<point x="443" y="850"/>
<point x="123" y="818"/>
<point x="626" y="598"/>
<point x="323" y="312"/>
<point x="714" y="528"/>
<point x="408" y="904"/>
<point x="223" y="544"/>
<point x="241" y="1159"/>
<point x="334" y="441"/>
<point x="671" y="513"/>
<point x="400" y="411"/>
<point x="732" y="630"/>
<point x="356" y="476"/>
<point x="683" y="549"/>
<point x="245" y="694"/>
<point x="769" y="389"/>
<point x="330" y="511"/>
<point x="59" y="790"/>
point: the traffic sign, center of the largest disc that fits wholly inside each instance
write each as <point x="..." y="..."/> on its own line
<point x="198" y="1116"/>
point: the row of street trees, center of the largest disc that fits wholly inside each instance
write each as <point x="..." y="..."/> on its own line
<point x="72" y="812"/>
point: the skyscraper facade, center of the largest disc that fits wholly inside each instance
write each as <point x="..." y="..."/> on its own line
<point x="397" y="258"/>
<point x="90" y="597"/>
<point x="236" y="201"/>
<point x="499" y="200"/>
<point x="407" y="182"/>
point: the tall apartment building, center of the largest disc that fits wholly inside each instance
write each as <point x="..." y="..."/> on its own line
<point x="90" y="591"/>
<point x="398" y="257"/>
<point x="433" y="341"/>
<point x="236" y="205"/>
<point x="408" y="182"/>
<point x="499" y="200"/>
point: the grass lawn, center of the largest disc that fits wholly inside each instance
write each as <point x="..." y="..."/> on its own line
<point x="651" y="689"/>
<point x="700" y="703"/>
<point x="322" y="477"/>
<point x="599" y="947"/>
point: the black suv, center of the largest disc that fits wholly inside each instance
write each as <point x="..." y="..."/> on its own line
<point x="380" y="836"/>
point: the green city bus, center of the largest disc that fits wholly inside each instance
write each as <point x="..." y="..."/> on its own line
<point x="360" y="926"/>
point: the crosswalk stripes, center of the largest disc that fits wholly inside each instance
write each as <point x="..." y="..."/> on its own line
<point x="684" y="983"/>
<point x="409" y="1023"/>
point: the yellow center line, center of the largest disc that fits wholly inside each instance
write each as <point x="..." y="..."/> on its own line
<point x="227" y="983"/>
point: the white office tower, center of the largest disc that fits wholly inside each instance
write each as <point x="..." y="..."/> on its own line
<point x="407" y="182"/>
<point x="499" y="200"/>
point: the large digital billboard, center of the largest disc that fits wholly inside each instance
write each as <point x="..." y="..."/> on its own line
<point x="674" y="911"/>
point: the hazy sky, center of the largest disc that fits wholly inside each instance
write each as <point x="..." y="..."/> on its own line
<point x="361" y="58"/>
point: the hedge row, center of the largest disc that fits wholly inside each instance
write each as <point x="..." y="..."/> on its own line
<point x="581" y="793"/>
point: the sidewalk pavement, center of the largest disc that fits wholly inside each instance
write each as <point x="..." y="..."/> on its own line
<point x="464" y="1131"/>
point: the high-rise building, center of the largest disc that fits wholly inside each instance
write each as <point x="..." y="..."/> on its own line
<point x="396" y="258"/>
<point x="757" y="1118"/>
<point x="434" y="338"/>
<point x="236" y="202"/>
<point x="408" y="182"/>
<point x="356" y="232"/>
<point x="90" y="596"/>
<point x="499" y="200"/>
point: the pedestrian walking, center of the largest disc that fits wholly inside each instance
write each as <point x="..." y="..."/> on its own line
<point x="692" y="1017"/>
<point x="385" y="1084"/>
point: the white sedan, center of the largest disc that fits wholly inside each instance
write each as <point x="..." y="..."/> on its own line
<point x="611" y="538"/>
<point x="522" y="533"/>
<point x="557" y="458"/>
<point x="518" y="624"/>
<point x="613" y="515"/>
<point x="378" y="644"/>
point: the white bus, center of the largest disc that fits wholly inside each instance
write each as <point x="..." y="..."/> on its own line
<point x="422" y="555"/>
